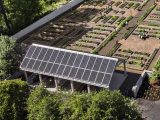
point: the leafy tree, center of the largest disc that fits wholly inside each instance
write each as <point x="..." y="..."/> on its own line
<point x="107" y="105"/>
<point x="10" y="56"/>
<point x="104" y="105"/>
<point x="75" y="108"/>
<point x="21" y="13"/>
<point x="42" y="105"/>
<point x="13" y="95"/>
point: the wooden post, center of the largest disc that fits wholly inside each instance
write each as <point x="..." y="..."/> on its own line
<point x="72" y="86"/>
<point x="40" y="79"/>
<point x="88" y="88"/>
<point x="125" y="72"/>
<point x="56" y="84"/>
<point x="26" y="76"/>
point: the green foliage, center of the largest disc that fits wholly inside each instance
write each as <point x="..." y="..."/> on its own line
<point x="122" y="24"/>
<point x="22" y="13"/>
<point x="76" y="107"/>
<point x="108" y="105"/>
<point x="156" y="73"/>
<point x="146" y="13"/>
<point x="42" y="105"/>
<point x="103" y="105"/>
<point x="13" y="95"/>
<point x="10" y="56"/>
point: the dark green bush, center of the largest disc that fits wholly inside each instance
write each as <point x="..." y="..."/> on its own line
<point x="10" y="57"/>
<point x="103" y="105"/>
<point x="13" y="96"/>
<point x="42" y="105"/>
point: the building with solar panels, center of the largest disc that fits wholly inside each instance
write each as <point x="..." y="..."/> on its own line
<point x="56" y="67"/>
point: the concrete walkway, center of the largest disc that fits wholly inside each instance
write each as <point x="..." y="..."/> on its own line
<point x="106" y="49"/>
<point x="150" y="109"/>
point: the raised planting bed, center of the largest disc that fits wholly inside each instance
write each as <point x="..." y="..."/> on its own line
<point x="120" y="20"/>
<point x="106" y="18"/>
<point x="129" y="5"/>
<point x="113" y="19"/>
<point x="117" y="3"/>
<point x="135" y="6"/>
<point x="86" y="44"/>
<point x="111" y="3"/>
<point x="123" y="5"/>
<point x="92" y="41"/>
<point x="82" y="49"/>
<point x="97" y="19"/>
<point x="135" y="60"/>
<point x="148" y="91"/>
<point x="108" y="10"/>
<point x="94" y="37"/>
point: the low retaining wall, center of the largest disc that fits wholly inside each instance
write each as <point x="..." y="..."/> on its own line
<point x="136" y="88"/>
<point x="64" y="8"/>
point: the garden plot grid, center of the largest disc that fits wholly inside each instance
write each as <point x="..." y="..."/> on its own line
<point x="139" y="52"/>
<point x="88" y="27"/>
<point x="151" y="25"/>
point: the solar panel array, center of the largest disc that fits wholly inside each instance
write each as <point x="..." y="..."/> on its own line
<point x="71" y="65"/>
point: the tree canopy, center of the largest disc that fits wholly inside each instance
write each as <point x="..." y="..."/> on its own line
<point x="42" y="105"/>
<point x="13" y="96"/>
<point x="10" y="56"/>
<point x="21" y="13"/>
<point x="103" y="105"/>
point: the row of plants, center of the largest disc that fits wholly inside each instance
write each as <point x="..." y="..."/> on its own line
<point x="123" y="5"/>
<point x="135" y="6"/>
<point x="19" y="102"/>
<point x="147" y="32"/>
<point x="95" y="3"/>
<point x="112" y="35"/>
<point x="143" y="4"/>
<point x="129" y="32"/>
<point x="127" y="5"/>
<point x="147" y="12"/>
<point x="117" y="3"/>
<point x="155" y="77"/>
<point x="135" y="59"/>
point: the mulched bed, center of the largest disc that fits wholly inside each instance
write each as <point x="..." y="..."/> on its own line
<point x="148" y="92"/>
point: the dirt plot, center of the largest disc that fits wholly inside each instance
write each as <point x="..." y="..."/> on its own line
<point x="136" y="44"/>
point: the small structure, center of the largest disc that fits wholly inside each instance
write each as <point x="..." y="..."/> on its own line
<point x="60" y="65"/>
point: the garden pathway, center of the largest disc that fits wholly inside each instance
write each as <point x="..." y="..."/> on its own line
<point x="120" y="35"/>
<point x="150" y="109"/>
